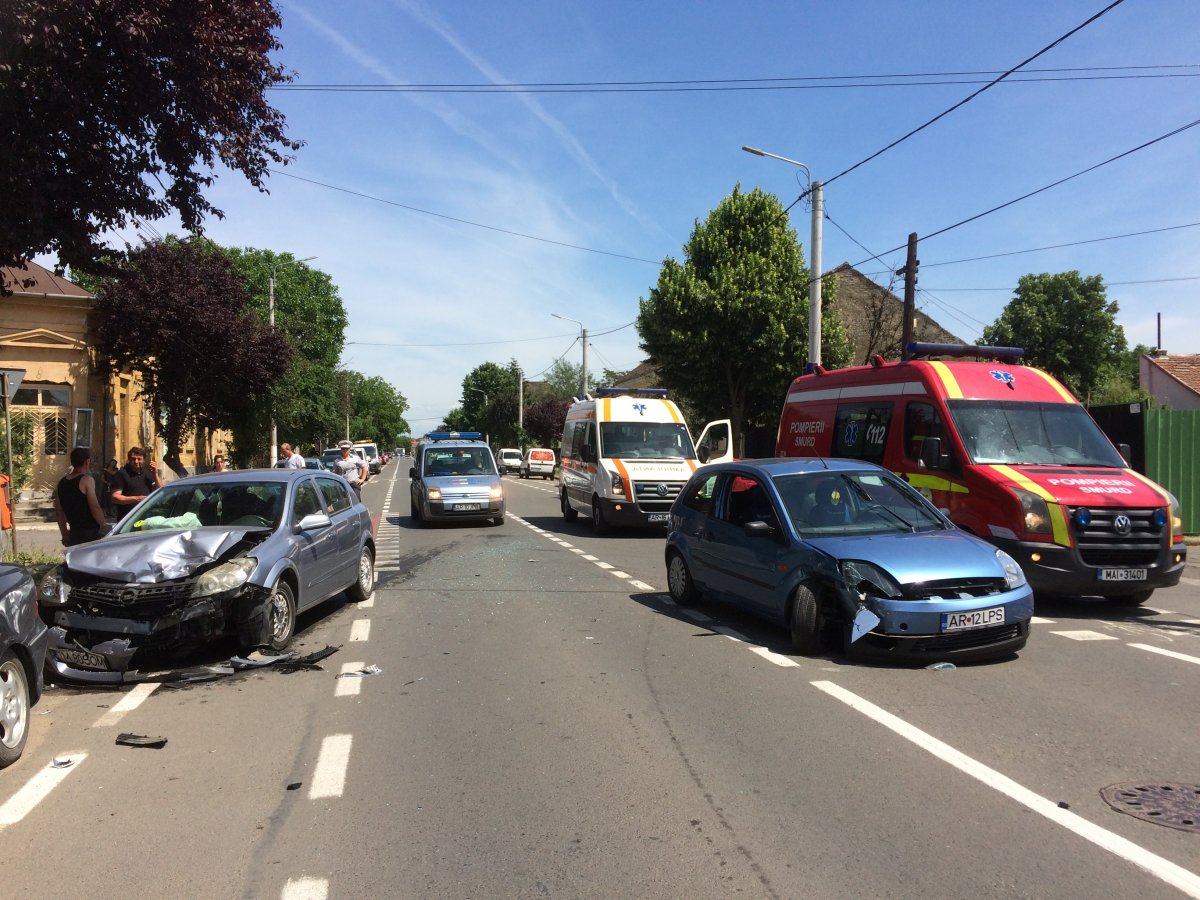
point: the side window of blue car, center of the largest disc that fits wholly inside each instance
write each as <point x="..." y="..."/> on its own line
<point x="699" y="495"/>
<point x="307" y="501"/>
<point x="337" y="497"/>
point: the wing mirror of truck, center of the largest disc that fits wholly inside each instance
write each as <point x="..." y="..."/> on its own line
<point x="1126" y="452"/>
<point x="931" y="454"/>
<point x="702" y="454"/>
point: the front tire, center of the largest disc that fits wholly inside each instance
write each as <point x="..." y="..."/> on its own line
<point x="14" y="708"/>
<point x="281" y="616"/>
<point x="365" y="583"/>
<point x="679" y="581"/>
<point x="1137" y="598"/>
<point x="600" y="525"/>
<point x="569" y="512"/>
<point x="806" y="621"/>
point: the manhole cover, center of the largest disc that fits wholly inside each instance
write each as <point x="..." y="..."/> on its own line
<point x="1164" y="803"/>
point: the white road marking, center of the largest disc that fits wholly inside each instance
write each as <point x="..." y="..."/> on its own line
<point x="370" y="601"/>
<point x="602" y="564"/>
<point x="1170" y="653"/>
<point x="35" y="790"/>
<point x="1085" y="635"/>
<point x="1164" y="869"/>
<point x="360" y="630"/>
<point x="305" y="889"/>
<point x="1194" y="582"/>
<point x="589" y="557"/>
<point x="1038" y="620"/>
<point x="329" y="778"/>
<point x="576" y="550"/>
<point x="778" y="658"/>
<point x="349" y="687"/>
<point x="128" y="703"/>
<point x="696" y="616"/>
<point x="641" y="586"/>
<point x="1159" y="610"/>
<point x="621" y="574"/>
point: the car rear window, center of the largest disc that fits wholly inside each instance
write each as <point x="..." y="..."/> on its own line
<point x="542" y="455"/>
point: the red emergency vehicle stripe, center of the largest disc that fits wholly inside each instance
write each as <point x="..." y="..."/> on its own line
<point x="1067" y="396"/>
<point x="624" y="473"/>
<point x="949" y="382"/>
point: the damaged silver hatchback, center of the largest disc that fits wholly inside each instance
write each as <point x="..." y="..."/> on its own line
<point x="234" y="553"/>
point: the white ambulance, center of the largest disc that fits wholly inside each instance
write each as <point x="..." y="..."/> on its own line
<point x="627" y="454"/>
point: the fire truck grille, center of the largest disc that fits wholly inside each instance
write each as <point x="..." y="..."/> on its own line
<point x="1102" y="543"/>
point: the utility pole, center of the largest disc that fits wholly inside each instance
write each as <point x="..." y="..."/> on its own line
<point x="271" y="322"/>
<point x="520" y="400"/>
<point x="585" y="379"/>
<point x="814" y="285"/>
<point x="910" y="296"/>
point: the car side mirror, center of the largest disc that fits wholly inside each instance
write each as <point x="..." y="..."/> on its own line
<point x="931" y="454"/>
<point x="758" y="529"/>
<point x="1126" y="452"/>
<point x="702" y="454"/>
<point x="412" y="472"/>
<point x="313" y="521"/>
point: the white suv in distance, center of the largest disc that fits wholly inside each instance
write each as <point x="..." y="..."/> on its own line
<point x="538" y="461"/>
<point x="509" y="460"/>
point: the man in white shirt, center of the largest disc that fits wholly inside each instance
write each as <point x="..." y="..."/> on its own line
<point x="294" y="459"/>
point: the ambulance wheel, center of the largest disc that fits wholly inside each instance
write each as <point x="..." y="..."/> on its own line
<point x="569" y="512"/>
<point x="806" y="622"/>
<point x="1137" y="598"/>
<point x="599" y="523"/>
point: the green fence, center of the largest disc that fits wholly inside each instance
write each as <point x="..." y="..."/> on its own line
<point x="1173" y="458"/>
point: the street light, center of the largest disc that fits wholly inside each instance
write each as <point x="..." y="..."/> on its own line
<point x="486" y="437"/>
<point x="271" y="322"/>
<point x="814" y="284"/>
<point x="584" y="341"/>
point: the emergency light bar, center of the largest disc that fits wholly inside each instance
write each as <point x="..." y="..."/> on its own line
<point x="454" y="435"/>
<point x="639" y="392"/>
<point x="1003" y="354"/>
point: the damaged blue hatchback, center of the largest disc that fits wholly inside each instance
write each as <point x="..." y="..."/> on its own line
<point x="234" y="553"/>
<point x="847" y="556"/>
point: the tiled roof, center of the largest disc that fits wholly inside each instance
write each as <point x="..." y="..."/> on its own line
<point x="34" y="279"/>
<point x="1185" y="369"/>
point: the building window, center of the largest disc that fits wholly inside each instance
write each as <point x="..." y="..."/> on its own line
<point x="57" y="433"/>
<point x="42" y="395"/>
<point x="83" y="428"/>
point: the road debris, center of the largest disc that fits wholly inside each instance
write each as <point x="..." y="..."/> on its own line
<point x="62" y="762"/>
<point x="364" y="672"/>
<point x="307" y="663"/>
<point x="125" y="739"/>
<point x="942" y="667"/>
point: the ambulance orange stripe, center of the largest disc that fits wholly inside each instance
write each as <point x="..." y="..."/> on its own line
<point x="1053" y="382"/>
<point x="672" y="410"/>
<point x="606" y="405"/>
<point x="625" y="480"/>
<point x="949" y="382"/>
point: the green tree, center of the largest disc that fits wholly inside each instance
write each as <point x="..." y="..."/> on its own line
<point x="1067" y="327"/>
<point x="564" y="379"/>
<point x="176" y="311"/>
<point x="116" y="112"/>
<point x="489" y="402"/>
<point x="377" y="410"/>
<point x="728" y="326"/>
<point x="611" y="376"/>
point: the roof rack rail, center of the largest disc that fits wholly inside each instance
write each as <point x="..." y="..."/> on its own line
<point x="1010" y="355"/>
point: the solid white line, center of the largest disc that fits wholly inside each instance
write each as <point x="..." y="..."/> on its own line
<point x="778" y="658"/>
<point x="348" y="687"/>
<point x="1170" y="653"/>
<point x="128" y="703"/>
<point x="305" y="889"/>
<point x="360" y="630"/>
<point x="35" y="790"/>
<point x="1172" y="874"/>
<point x="329" y="778"/>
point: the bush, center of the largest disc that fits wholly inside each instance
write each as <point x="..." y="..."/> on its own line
<point x="22" y="447"/>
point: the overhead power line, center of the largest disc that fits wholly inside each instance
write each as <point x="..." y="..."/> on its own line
<point x="988" y="212"/>
<point x="426" y="212"/>
<point x="975" y="94"/>
<point x="784" y="83"/>
<point x="1106" y="284"/>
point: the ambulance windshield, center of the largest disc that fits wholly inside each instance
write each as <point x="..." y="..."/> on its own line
<point x="645" y="440"/>
<point x="1031" y="434"/>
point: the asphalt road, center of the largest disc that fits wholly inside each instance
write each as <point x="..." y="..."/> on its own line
<point x="548" y="724"/>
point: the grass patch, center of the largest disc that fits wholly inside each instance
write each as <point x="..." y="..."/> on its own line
<point x="30" y="558"/>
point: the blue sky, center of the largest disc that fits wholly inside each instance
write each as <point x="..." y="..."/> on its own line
<point x="628" y="173"/>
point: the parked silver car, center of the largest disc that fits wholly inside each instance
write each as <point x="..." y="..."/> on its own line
<point x="236" y="553"/>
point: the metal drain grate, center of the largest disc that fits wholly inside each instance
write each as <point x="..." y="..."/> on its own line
<point x="1163" y="803"/>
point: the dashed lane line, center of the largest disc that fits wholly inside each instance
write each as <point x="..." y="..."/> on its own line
<point x="349" y="687"/>
<point x="1164" y="869"/>
<point x="360" y="630"/>
<point x="329" y="777"/>
<point x="305" y="889"/>
<point x="36" y="789"/>
<point x="131" y="701"/>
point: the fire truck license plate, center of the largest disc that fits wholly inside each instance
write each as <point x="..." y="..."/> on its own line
<point x="1122" y="574"/>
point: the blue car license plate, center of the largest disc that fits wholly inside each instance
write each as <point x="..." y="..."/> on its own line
<point x="976" y="618"/>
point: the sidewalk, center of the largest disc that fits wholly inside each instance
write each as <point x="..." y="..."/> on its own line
<point x="42" y="537"/>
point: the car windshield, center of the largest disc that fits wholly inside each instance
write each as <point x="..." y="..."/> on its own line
<point x="854" y="503"/>
<point x="655" y="440"/>
<point x="1022" y="433"/>
<point x="223" y="503"/>
<point x="369" y="449"/>
<point x="458" y="461"/>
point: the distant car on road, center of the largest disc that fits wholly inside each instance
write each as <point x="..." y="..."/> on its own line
<point x="370" y="452"/>
<point x="238" y="553"/>
<point x="23" y="639"/>
<point x="509" y="460"/>
<point x="538" y="461"/>
<point x="454" y="476"/>
<point x="847" y="556"/>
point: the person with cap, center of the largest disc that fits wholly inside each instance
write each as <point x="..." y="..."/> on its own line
<point x="352" y="467"/>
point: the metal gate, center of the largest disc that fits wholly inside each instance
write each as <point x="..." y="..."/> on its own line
<point x="1173" y="458"/>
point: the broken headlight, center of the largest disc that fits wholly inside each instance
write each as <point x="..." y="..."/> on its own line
<point x="225" y="577"/>
<point x="52" y="590"/>
<point x="867" y="578"/>
<point x="1014" y="577"/>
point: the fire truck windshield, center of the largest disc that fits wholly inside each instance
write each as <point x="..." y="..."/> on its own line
<point x="1032" y="434"/>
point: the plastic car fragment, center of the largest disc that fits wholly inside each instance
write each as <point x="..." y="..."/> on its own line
<point x="364" y="672"/>
<point x="125" y="739"/>
<point x="308" y="663"/>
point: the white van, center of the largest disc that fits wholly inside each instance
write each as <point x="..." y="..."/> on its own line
<point x="627" y="454"/>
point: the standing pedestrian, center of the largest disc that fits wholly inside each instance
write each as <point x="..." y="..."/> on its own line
<point x="76" y="506"/>
<point x="134" y="481"/>
<point x="106" y="486"/>
<point x="219" y="463"/>
<point x="294" y="459"/>
<point x="351" y="467"/>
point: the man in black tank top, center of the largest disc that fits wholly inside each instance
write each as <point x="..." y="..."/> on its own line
<point x="75" y="504"/>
